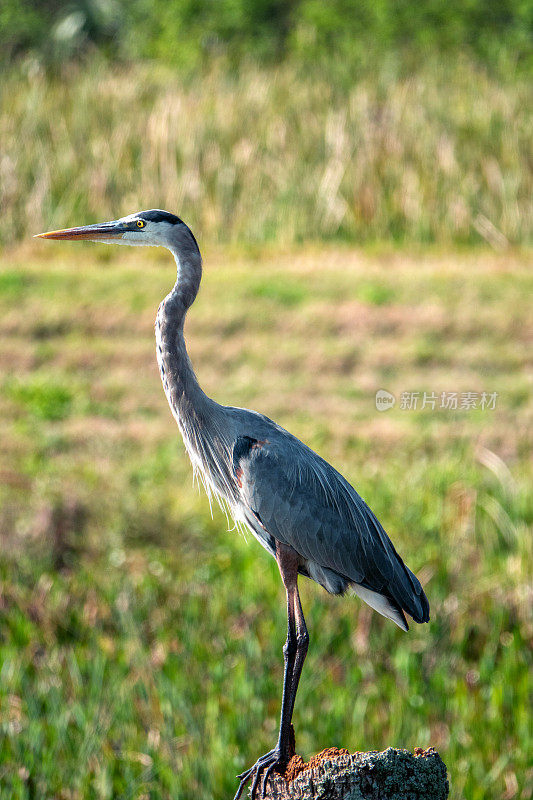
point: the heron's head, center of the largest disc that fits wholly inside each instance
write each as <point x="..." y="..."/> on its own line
<point x="154" y="227"/>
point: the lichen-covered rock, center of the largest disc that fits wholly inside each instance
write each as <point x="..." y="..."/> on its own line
<point x="338" y="775"/>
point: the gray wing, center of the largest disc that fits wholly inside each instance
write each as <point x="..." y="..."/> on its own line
<point x="301" y="501"/>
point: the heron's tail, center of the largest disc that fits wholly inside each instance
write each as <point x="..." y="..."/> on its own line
<point x="382" y="604"/>
<point x="414" y="601"/>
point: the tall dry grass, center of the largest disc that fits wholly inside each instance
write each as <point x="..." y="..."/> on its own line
<point x="271" y="154"/>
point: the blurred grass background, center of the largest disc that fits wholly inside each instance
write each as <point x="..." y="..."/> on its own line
<point x="359" y="178"/>
<point x="271" y="121"/>
<point x="267" y="154"/>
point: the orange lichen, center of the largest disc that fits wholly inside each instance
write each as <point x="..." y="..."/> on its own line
<point x="420" y="752"/>
<point x="297" y="764"/>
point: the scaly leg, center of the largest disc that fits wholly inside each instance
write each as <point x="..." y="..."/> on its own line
<point x="294" y="653"/>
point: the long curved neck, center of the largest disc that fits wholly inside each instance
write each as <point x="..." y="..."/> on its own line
<point x="204" y="425"/>
<point x="183" y="392"/>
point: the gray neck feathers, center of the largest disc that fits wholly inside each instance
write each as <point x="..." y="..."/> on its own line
<point x="204" y="424"/>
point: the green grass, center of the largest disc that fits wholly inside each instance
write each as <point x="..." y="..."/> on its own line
<point x="272" y="154"/>
<point x="140" y="641"/>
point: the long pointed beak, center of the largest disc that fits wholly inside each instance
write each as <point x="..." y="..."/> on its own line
<point x="104" y="230"/>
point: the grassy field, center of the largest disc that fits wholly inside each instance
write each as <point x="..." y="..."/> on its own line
<point x="140" y="641"/>
<point x="273" y="155"/>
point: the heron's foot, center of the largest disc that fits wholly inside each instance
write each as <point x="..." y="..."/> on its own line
<point x="263" y="766"/>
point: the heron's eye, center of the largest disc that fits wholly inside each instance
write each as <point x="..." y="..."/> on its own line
<point x="141" y="223"/>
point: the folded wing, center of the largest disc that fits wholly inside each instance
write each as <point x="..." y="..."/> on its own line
<point x="300" y="500"/>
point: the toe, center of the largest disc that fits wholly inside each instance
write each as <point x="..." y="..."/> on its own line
<point x="266" y="776"/>
<point x="262" y="767"/>
<point x="255" y="783"/>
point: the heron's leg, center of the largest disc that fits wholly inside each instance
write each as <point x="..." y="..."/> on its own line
<point x="295" y="647"/>
<point x="294" y="652"/>
<point x="302" y="644"/>
<point x="290" y="651"/>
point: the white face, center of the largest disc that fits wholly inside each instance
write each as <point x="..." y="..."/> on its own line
<point x="151" y="234"/>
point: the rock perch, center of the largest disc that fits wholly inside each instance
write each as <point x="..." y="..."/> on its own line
<point x="338" y="775"/>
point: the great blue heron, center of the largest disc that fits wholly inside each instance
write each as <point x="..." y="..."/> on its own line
<point x="295" y="504"/>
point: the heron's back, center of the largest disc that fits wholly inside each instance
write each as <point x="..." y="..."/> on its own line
<point x="300" y="500"/>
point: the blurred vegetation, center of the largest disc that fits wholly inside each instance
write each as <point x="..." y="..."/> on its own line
<point x="269" y="154"/>
<point x="188" y="33"/>
<point x="140" y="641"/>
<point x="262" y="120"/>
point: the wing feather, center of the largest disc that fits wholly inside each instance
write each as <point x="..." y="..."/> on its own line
<point x="305" y="503"/>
